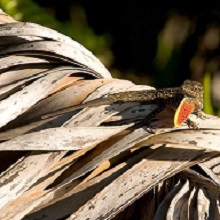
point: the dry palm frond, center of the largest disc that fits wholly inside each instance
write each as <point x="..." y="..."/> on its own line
<point x="92" y="163"/>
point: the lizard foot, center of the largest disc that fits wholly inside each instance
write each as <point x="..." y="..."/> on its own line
<point x="201" y="115"/>
<point x="146" y="123"/>
<point x="191" y="124"/>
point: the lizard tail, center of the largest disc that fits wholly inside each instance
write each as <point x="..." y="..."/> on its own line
<point x="92" y="103"/>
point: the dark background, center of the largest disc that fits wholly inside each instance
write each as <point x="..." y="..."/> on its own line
<point x="149" y="42"/>
<point x="134" y="27"/>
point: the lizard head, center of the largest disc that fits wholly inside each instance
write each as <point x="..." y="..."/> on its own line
<point x="193" y="91"/>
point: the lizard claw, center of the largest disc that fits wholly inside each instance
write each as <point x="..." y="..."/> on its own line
<point x="146" y="123"/>
<point x="201" y="115"/>
<point x="151" y="129"/>
<point x="191" y="124"/>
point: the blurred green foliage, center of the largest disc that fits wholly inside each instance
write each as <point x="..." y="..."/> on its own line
<point x="207" y="101"/>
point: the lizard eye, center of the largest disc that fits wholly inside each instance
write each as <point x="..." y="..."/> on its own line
<point x="192" y="88"/>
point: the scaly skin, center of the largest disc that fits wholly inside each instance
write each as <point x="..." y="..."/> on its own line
<point x="189" y="94"/>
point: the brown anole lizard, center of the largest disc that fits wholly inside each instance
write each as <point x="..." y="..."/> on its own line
<point x="185" y="99"/>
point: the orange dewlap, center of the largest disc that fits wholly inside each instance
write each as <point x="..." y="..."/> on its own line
<point x="183" y="111"/>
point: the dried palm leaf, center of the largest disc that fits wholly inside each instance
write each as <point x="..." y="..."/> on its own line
<point x="92" y="163"/>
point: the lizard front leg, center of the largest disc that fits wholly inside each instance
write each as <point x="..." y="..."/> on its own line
<point x="200" y="114"/>
<point x="192" y="124"/>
